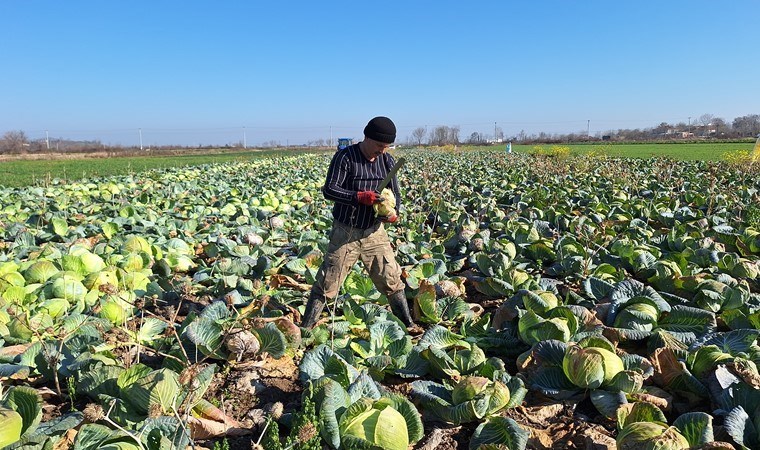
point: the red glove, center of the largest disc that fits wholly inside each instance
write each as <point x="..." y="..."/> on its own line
<point x="390" y="219"/>
<point x="368" y="198"/>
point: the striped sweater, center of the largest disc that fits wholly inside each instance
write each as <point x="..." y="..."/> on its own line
<point x="349" y="173"/>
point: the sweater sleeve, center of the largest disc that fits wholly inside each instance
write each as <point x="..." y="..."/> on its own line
<point x="336" y="176"/>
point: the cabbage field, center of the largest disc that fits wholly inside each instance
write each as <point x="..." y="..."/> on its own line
<point x="568" y="302"/>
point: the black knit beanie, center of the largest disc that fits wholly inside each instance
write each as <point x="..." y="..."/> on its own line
<point x="381" y="129"/>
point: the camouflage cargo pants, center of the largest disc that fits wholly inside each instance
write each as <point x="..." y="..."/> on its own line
<point x="347" y="245"/>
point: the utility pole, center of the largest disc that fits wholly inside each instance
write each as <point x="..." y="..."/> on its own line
<point x="494" y="133"/>
<point x="588" y="127"/>
<point x="330" y="144"/>
<point x="139" y="130"/>
<point x="47" y="140"/>
<point x="688" y="129"/>
<point x="245" y="144"/>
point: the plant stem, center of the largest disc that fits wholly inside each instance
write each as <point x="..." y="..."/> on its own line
<point x="119" y="427"/>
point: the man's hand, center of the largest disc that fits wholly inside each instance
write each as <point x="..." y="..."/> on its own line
<point x="390" y="219"/>
<point x="368" y="198"/>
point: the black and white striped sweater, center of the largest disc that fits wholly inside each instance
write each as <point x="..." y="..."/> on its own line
<point x="349" y="173"/>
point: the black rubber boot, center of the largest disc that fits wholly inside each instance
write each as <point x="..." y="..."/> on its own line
<point x="313" y="310"/>
<point x="400" y="307"/>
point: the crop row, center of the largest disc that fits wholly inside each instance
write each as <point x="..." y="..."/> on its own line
<point x="629" y="284"/>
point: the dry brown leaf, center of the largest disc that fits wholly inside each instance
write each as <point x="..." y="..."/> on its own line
<point x="541" y="439"/>
<point x="14" y="350"/>
<point x="656" y="396"/>
<point x="201" y="428"/>
<point x="540" y="414"/>
<point x="597" y="438"/>
<point x="745" y="372"/>
<point x="211" y="412"/>
<point x="66" y="441"/>
<point x="666" y="366"/>
<point x="283" y="281"/>
<point x="46" y="392"/>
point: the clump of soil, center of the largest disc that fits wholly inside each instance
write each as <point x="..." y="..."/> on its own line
<point x="256" y="384"/>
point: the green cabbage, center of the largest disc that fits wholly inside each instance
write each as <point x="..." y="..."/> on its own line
<point x="55" y="307"/>
<point x="69" y="287"/>
<point x="135" y="244"/>
<point x="11" y="424"/>
<point x="177" y="245"/>
<point x="8" y="267"/>
<point x="93" y="281"/>
<point x="40" y="271"/>
<point x="92" y="262"/>
<point x="471" y="399"/>
<point x="132" y="262"/>
<point x="376" y="424"/>
<point x="114" y="311"/>
<point x="650" y="436"/>
<point x="590" y="367"/>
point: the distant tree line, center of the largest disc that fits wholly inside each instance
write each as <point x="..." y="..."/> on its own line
<point x="704" y="127"/>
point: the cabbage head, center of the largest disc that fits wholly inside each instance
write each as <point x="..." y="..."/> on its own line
<point x="560" y="324"/>
<point x="179" y="262"/>
<point x="707" y="358"/>
<point x="641" y="316"/>
<point x="665" y="274"/>
<point x="650" y="436"/>
<point x="751" y="240"/>
<point x="387" y="207"/>
<point x="133" y="262"/>
<point x="135" y="244"/>
<point x="8" y="267"/>
<point x="40" y="271"/>
<point x="11" y="424"/>
<point x="471" y="399"/>
<point x="55" y="307"/>
<point x="92" y="262"/>
<point x="746" y="269"/>
<point x="591" y="367"/>
<point x="455" y="361"/>
<point x="69" y="287"/>
<point x="374" y="424"/>
<point x="83" y="262"/>
<point x="93" y="281"/>
<point x="177" y="245"/>
<point x="114" y="310"/>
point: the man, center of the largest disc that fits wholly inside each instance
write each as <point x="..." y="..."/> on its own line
<point x="357" y="233"/>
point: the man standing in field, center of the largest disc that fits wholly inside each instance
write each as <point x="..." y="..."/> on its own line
<point x="358" y="233"/>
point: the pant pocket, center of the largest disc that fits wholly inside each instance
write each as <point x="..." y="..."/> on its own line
<point x="391" y="273"/>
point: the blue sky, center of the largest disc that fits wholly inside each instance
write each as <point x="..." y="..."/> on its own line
<point x="193" y="72"/>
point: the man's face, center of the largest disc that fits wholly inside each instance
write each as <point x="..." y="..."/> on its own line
<point x="376" y="148"/>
